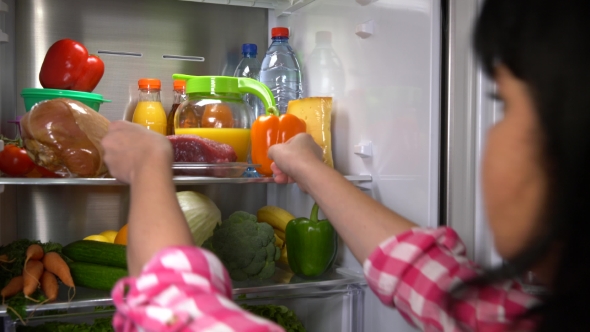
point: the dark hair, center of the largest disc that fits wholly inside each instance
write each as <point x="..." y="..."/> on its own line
<point x="546" y="44"/>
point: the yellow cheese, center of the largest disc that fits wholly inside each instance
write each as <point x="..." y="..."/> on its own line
<point x="317" y="114"/>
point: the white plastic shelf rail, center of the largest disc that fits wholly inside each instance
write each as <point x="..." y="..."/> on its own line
<point x="281" y="7"/>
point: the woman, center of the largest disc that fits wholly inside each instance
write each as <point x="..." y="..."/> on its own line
<point x="536" y="186"/>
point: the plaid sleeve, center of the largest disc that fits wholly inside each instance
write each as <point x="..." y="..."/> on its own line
<point x="414" y="272"/>
<point x="182" y="289"/>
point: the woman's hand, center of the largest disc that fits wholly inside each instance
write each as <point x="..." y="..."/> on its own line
<point x="130" y="149"/>
<point x="293" y="157"/>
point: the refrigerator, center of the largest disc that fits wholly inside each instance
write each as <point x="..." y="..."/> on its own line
<point x="408" y="121"/>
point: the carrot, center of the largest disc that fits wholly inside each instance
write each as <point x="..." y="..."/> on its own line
<point x="56" y="265"/>
<point x="49" y="285"/>
<point x="12" y="288"/>
<point x="34" y="251"/>
<point x="31" y="274"/>
<point x="4" y="259"/>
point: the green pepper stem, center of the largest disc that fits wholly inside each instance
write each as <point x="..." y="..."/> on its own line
<point x="314" y="212"/>
<point x="271" y="110"/>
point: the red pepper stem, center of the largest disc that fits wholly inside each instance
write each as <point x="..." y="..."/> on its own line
<point x="314" y="213"/>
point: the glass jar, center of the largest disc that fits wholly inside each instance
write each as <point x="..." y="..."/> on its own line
<point x="215" y="109"/>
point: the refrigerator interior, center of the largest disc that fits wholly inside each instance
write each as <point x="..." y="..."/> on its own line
<point x="386" y="115"/>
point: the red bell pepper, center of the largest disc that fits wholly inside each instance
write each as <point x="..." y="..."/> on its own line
<point x="68" y="66"/>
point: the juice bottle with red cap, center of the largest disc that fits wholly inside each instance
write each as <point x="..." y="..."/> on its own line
<point x="149" y="111"/>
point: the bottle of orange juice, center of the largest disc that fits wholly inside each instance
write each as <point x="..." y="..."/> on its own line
<point x="149" y="111"/>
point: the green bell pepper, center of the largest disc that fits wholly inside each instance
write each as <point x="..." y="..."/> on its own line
<point x="312" y="245"/>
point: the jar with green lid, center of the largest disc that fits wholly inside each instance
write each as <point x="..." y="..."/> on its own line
<point x="215" y="109"/>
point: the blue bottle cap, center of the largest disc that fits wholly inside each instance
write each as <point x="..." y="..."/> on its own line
<point x="249" y="49"/>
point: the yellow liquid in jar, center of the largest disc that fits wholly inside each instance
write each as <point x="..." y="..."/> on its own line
<point x="238" y="138"/>
<point x="151" y="115"/>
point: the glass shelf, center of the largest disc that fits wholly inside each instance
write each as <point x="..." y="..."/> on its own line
<point x="281" y="284"/>
<point x="179" y="180"/>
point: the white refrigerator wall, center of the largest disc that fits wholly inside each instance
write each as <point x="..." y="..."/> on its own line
<point x="387" y="101"/>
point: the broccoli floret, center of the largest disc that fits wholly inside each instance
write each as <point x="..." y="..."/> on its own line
<point x="246" y="247"/>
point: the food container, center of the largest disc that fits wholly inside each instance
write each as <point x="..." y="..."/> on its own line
<point x="215" y="109"/>
<point x="32" y="96"/>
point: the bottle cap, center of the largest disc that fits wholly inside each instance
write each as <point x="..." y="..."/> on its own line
<point x="249" y="49"/>
<point x="280" y="32"/>
<point x="179" y="84"/>
<point x="323" y="37"/>
<point x="149" y="83"/>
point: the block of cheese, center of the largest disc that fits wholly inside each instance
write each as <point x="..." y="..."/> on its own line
<point x="317" y="114"/>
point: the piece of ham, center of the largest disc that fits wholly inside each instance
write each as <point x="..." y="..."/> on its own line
<point x="63" y="135"/>
<point x="196" y="149"/>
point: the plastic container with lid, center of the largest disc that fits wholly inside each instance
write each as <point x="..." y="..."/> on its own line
<point x="215" y="109"/>
<point x="149" y="111"/>
<point x="179" y="96"/>
<point x="31" y="96"/>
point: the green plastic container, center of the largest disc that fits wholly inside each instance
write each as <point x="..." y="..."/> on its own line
<point x="32" y="96"/>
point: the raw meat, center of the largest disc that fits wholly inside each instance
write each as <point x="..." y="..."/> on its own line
<point x="196" y="149"/>
<point x="63" y="135"/>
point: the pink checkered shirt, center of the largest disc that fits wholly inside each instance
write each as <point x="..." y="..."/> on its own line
<point x="182" y="289"/>
<point x="414" y="272"/>
<point x="187" y="289"/>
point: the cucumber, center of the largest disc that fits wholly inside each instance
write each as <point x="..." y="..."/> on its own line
<point x="101" y="253"/>
<point x="95" y="276"/>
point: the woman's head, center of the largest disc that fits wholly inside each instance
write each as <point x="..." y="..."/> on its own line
<point x="537" y="165"/>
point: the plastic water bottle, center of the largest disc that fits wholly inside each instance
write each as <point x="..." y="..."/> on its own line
<point x="280" y="70"/>
<point x="324" y="69"/>
<point x="250" y="67"/>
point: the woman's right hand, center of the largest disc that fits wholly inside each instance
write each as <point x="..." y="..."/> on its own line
<point x="130" y="149"/>
<point x="293" y="158"/>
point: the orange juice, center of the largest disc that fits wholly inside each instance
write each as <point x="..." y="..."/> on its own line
<point x="238" y="138"/>
<point x="151" y="115"/>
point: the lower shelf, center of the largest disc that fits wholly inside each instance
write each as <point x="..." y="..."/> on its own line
<point x="282" y="284"/>
<point x="332" y="303"/>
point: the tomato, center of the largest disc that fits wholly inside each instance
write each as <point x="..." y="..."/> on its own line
<point x="15" y="161"/>
<point x="68" y="66"/>
<point x="217" y="116"/>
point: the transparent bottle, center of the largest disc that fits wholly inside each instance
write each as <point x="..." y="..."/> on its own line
<point x="149" y="111"/>
<point x="325" y="74"/>
<point x="179" y="97"/>
<point x="281" y="71"/>
<point x="249" y="67"/>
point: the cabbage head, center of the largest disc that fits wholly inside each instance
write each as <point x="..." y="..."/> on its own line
<point x="201" y="213"/>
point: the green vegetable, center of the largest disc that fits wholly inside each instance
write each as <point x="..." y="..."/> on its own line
<point x="201" y="213"/>
<point x="245" y="246"/>
<point x="95" y="252"/>
<point x="278" y="314"/>
<point x="312" y="245"/>
<point x="99" y="325"/>
<point x="96" y="276"/>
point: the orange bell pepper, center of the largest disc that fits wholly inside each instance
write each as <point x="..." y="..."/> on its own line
<point x="271" y="129"/>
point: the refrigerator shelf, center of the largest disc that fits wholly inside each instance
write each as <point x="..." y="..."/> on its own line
<point x="283" y="284"/>
<point x="180" y="180"/>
